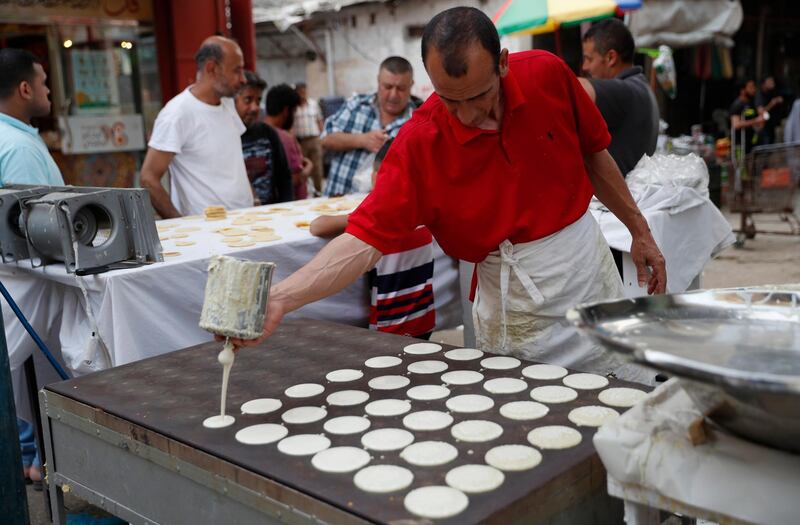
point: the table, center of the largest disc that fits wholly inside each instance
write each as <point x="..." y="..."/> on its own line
<point x="652" y="465"/>
<point x="145" y="419"/>
<point x="149" y="310"/>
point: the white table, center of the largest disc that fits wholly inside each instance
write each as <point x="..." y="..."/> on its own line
<point x="147" y="311"/>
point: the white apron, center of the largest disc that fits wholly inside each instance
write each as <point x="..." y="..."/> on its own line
<point x="524" y="292"/>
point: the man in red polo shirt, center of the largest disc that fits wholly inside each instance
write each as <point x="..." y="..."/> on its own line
<point x="500" y="164"/>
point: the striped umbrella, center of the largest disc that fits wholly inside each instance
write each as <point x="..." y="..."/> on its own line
<point x="542" y="16"/>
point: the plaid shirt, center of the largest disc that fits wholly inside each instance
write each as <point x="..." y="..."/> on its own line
<point x="358" y="115"/>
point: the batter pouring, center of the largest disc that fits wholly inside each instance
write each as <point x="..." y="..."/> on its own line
<point x="225" y="358"/>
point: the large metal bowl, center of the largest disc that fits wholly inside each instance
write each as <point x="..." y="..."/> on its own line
<point x="737" y="352"/>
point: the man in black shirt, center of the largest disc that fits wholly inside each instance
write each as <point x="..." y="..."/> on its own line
<point x="744" y="116"/>
<point x="620" y="91"/>
<point x="622" y="95"/>
<point x="264" y="157"/>
<point x="770" y="106"/>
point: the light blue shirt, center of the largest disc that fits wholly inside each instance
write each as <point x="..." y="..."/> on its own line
<point x="24" y="158"/>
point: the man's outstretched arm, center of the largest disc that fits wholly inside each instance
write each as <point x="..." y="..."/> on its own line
<point x="337" y="265"/>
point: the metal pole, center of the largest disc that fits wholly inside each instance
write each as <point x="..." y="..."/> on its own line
<point x="13" y="498"/>
<point x="329" y="61"/>
<point x="36" y="412"/>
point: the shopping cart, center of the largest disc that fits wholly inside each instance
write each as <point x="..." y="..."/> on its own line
<point x="764" y="182"/>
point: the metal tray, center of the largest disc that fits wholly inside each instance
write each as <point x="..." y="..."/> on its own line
<point x="737" y="351"/>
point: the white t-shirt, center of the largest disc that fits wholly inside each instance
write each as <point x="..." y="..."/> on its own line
<point x="208" y="167"/>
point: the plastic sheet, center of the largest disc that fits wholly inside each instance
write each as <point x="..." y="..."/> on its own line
<point x="648" y="447"/>
<point x="670" y="170"/>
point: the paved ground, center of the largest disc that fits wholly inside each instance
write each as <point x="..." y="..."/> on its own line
<point x="767" y="259"/>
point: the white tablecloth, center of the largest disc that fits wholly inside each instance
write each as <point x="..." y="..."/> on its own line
<point x="647" y="453"/>
<point x="687" y="227"/>
<point x="154" y="309"/>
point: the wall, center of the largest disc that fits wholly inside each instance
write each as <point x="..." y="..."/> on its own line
<point x="358" y="49"/>
<point x="281" y="71"/>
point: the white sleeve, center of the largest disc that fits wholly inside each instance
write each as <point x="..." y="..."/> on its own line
<point x="168" y="132"/>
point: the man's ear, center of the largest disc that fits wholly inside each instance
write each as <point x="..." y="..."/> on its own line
<point x="210" y="67"/>
<point x="502" y="65"/>
<point x="25" y="90"/>
<point x="612" y="57"/>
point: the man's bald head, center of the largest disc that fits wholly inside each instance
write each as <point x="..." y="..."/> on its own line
<point x="453" y="31"/>
<point x="214" y="48"/>
<point x="220" y="62"/>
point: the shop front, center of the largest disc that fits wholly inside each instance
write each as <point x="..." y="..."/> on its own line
<point x="101" y="62"/>
<point x="111" y="66"/>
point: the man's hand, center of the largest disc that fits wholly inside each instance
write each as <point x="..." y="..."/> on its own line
<point x="651" y="269"/>
<point x="273" y="317"/>
<point x="337" y="265"/>
<point x="374" y="140"/>
<point x="307" y="167"/>
<point x="774" y="102"/>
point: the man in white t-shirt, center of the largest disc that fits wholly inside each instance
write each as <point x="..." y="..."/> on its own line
<point x="197" y="137"/>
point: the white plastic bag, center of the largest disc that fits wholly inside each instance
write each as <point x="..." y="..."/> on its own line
<point x="670" y="170"/>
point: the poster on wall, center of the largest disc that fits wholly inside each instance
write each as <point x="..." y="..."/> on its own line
<point x="94" y="81"/>
<point x="85" y="134"/>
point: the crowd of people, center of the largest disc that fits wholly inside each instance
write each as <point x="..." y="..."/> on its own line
<point x="221" y="146"/>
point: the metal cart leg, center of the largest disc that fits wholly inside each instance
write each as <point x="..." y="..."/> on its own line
<point x="33" y="386"/>
<point x="58" y="512"/>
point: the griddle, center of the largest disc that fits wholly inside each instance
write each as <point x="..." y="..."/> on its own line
<point x="172" y="394"/>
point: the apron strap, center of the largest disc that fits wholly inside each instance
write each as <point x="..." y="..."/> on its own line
<point x="509" y="262"/>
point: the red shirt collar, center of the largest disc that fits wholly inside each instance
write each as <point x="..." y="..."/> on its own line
<point x="513" y="99"/>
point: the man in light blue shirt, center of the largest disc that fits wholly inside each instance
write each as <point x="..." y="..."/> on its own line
<point x="24" y="158"/>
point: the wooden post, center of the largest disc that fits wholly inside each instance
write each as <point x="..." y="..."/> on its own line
<point x="244" y="31"/>
<point x="13" y="498"/>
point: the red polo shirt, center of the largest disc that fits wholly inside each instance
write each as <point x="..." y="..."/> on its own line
<point x="475" y="188"/>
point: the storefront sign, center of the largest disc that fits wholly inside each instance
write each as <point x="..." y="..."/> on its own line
<point x="102" y="133"/>
<point x="141" y="10"/>
<point x="94" y="85"/>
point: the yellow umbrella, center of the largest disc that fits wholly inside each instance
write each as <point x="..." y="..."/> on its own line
<point x="542" y="16"/>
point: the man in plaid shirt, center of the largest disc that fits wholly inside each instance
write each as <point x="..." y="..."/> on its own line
<point x="365" y="122"/>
